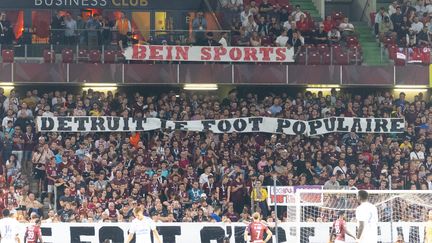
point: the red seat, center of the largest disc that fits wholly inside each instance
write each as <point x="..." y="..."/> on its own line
<point x="301" y="58"/>
<point x="341" y="58"/>
<point x="49" y="56"/>
<point x="67" y="56"/>
<point x="309" y="48"/>
<point x="336" y="49"/>
<point x="323" y="48"/>
<point x="389" y="40"/>
<point x="355" y="57"/>
<point x="109" y="56"/>
<point x="95" y="56"/>
<point x="352" y="41"/>
<point x="8" y="55"/>
<point x="266" y="41"/>
<point x="326" y="58"/>
<point x="400" y="56"/>
<point x="314" y="58"/>
<point x="392" y="50"/>
<point x="337" y="16"/>
<point x="83" y="55"/>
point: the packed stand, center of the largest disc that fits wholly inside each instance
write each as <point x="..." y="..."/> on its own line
<point x="272" y="23"/>
<point x="193" y="177"/>
<point x="406" y="27"/>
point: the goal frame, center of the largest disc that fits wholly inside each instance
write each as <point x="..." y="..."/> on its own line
<point x="299" y="205"/>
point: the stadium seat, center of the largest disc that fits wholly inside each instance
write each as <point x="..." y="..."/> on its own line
<point x="326" y="58"/>
<point x="49" y="56"/>
<point x="67" y="56"/>
<point x="336" y="49"/>
<point x="8" y="55"/>
<point x="309" y="48"/>
<point x="392" y="50"/>
<point x="389" y="41"/>
<point x="314" y="58"/>
<point x="83" y="55"/>
<point x="95" y="56"/>
<point x="341" y="58"/>
<point x="109" y="56"/>
<point x="355" y="57"/>
<point x="301" y="58"/>
<point x="352" y="41"/>
<point x="323" y="48"/>
<point x="337" y="16"/>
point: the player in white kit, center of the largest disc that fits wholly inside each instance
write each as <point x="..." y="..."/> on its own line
<point x="142" y="227"/>
<point x="9" y="228"/>
<point x="367" y="218"/>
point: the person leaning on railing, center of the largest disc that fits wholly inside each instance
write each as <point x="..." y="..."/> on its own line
<point x="259" y="198"/>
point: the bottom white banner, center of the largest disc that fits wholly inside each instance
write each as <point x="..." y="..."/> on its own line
<point x="216" y="232"/>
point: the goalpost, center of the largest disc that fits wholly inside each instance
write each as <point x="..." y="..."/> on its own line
<point x="402" y="214"/>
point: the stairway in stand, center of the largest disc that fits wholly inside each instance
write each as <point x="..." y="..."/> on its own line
<point x="370" y="46"/>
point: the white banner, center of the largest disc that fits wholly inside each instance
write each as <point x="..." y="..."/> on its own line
<point x="209" y="53"/>
<point x="285" y="195"/>
<point x="216" y="232"/>
<point x="239" y="125"/>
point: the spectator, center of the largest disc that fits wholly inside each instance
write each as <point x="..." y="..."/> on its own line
<point x="397" y="20"/>
<point x="423" y="37"/>
<point x="7" y="35"/>
<point x="265" y="8"/>
<point x="393" y="8"/>
<point x="263" y="27"/>
<point x="223" y="40"/>
<point x="334" y="36"/>
<point x="93" y="27"/>
<point x="199" y="26"/>
<point x="386" y="29"/>
<point x="250" y="25"/>
<point x="416" y="26"/>
<point x="244" y="15"/>
<point x="297" y="13"/>
<point x="130" y="41"/>
<point x="233" y="5"/>
<point x="346" y="28"/>
<point x="57" y="28"/>
<point x="320" y="36"/>
<point x="255" y="39"/>
<point x="70" y="29"/>
<point x="332" y="183"/>
<point x="124" y="28"/>
<point x="328" y="23"/>
<point x="282" y="40"/>
<point x="379" y="18"/>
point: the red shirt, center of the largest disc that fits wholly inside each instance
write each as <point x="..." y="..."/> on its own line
<point x="256" y="231"/>
<point x="33" y="234"/>
<point x="339" y="229"/>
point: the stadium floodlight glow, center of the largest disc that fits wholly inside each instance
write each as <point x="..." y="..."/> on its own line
<point x="200" y="87"/>
<point x="9" y="84"/>
<point x="105" y="85"/>
<point x="100" y="87"/>
<point x="411" y="88"/>
<point x="322" y="87"/>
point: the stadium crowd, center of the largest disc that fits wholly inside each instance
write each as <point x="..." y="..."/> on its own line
<point x="193" y="177"/>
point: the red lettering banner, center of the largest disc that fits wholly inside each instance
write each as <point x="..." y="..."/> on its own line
<point x="209" y="53"/>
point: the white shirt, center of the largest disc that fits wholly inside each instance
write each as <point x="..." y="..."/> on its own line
<point x="223" y="42"/>
<point x="368" y="213"/>
<point x="297" y="15"/>
<point x="287" y="25"/>
<point x="281" y="40"/>
<point x="417" y="155"/>
<point x="142" y="229"/>
<point x="9" y="229"/>
<point x="203" y="178"/>
<point x="244" y="16"/>
<point x="417" y="27"/>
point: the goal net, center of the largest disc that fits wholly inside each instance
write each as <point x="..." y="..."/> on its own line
<point x="402" y="214"/>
